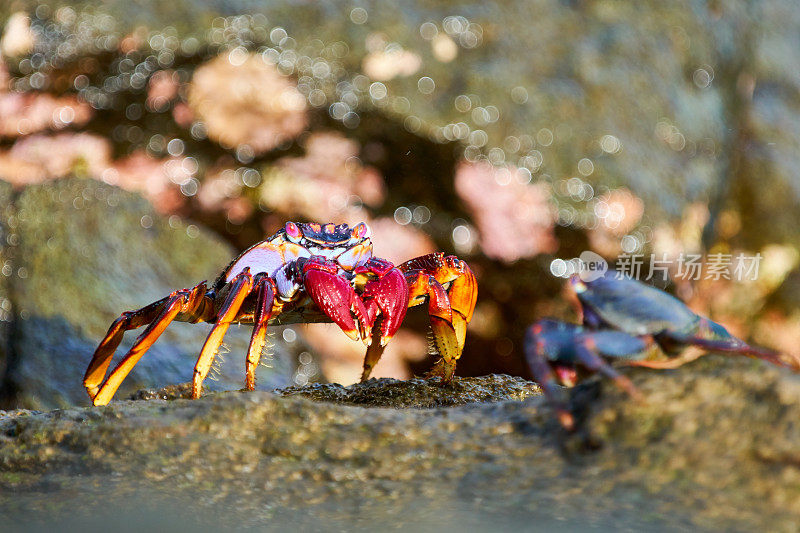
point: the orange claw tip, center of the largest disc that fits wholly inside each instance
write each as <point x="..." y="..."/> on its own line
<point x="352" y="333"/>
<point x="385" y="339"/>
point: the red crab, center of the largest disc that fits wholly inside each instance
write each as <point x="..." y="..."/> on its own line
<point x="304" y="273"/>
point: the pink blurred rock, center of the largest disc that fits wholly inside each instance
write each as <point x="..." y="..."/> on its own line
<point x="133" y="41"/>
<point x="219" y="185"/>
<point x="5" y="78"/>
<point x="384" y="65"/>
<point x="618" y="212"/>
<point x="182" y="114"/>
<point x="244" y="101"/>
<point x="398" y="243"/>
<point x="17" y="39"/>
<point x="328" y="183"/>
<point x="23" y="114"/>
<point x="515" y="219"/>
<point x="38" y="158"/>
<point x="238" y="209"/>
<point x="161" y="89"/>
<point x="155" y="179"/>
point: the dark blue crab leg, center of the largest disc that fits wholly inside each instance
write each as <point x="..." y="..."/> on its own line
<point x="239" y="289"/>
<point x="263" y="287"/>
<point x="586" y="355"/>
<point x="733" y="345"/>
<point x="543" y="374"/>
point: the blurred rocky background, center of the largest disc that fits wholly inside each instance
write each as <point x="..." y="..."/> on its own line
<point x="514" y="134"/>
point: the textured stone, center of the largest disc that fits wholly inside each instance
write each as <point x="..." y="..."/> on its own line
<point x="715" y="446"/>
<point x="85" y="252"/>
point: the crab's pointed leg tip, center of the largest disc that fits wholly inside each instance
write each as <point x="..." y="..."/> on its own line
<point x="385" y="340"/>
<point x="352" y="333"/>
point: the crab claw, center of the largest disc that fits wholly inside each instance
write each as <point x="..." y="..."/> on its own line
<point x="386" y="297"/>
<point x="334" y="296"/>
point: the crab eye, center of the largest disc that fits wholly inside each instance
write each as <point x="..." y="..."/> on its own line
<point x="293" y="231"/>
<point x="361" y="231"/>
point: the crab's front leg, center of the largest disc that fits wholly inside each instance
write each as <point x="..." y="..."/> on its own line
<point x="544" y="373"/>
<point x="384" y="291"/>
<point x="450" y="309"/>
<point x="555" y="351"/>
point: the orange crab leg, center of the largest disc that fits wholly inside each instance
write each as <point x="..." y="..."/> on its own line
<point x="181" y="301"/>
<point x="463" y="294"/>
<point x="240" y="288"/>
<point x="265" y="290"/>
<point x="105" y="351"/>
<point x="422" y="285"/>
<point x="450" y="310"/>
<point x="158" y="315"/>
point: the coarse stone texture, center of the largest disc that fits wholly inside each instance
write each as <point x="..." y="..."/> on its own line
<point x="715" y="446"/>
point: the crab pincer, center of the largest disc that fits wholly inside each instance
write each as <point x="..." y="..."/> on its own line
<point x="384" y="290"/>
<point x="385" y="297"/>
<point x="334" y="295"/>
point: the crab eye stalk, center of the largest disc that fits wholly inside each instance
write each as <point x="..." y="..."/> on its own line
<point x="361" y="231"/>
<point x="293" y="231"/>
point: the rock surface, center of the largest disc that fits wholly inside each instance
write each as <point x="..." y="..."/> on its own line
<point x="419" y="392"/>
<point x="80" y="253"/>
<point x="716" y="446"/>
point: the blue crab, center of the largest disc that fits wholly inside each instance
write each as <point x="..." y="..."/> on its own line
<point x="626" y="322"/>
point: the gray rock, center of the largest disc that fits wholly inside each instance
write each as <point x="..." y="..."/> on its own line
<point x="85" y="252"/>
<point x="420" y="393"/>
<point x="716" y="446"/>
<point x="6" y="270"/>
